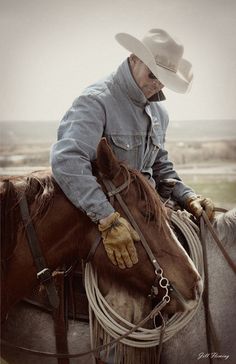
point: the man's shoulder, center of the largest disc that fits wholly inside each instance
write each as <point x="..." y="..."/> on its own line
<point x="100" y="89"/>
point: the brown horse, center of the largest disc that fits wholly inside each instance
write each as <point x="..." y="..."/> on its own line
<point x="65" y="232"/>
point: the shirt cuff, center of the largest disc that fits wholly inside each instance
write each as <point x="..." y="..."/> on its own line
<point x="101" y="212"/>
<point x="185" y="197"/>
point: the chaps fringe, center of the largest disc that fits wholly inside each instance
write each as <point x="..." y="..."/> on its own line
<point x="121" y="354"/>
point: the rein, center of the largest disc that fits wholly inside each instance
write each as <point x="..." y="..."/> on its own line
<point x="212" y="340"/>
<point x="99" y="348"/>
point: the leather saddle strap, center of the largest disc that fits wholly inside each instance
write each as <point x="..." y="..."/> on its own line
<point x="59" y="315"/>
<point x="43" y="272"/>
<point x="218" y="242"/>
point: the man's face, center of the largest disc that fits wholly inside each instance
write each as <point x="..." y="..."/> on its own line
<point x="144" y="78"/>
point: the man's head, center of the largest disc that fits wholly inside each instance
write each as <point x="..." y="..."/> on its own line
<point x="162" y="55"/>
<point x="144" y="78"/>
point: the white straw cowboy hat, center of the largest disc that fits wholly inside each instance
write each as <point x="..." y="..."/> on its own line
<point x="163" y="55"/>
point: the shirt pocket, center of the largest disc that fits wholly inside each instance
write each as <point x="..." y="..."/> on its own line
<point x="127" y="148"/>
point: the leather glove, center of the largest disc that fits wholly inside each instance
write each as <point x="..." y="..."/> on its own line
<point x="197" y="204"/>
<point x="118" y="239"/>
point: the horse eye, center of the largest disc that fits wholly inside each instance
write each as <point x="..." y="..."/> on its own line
<point x="148" y="215"/>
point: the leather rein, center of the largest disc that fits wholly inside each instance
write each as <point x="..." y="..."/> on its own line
<point x="213" y="344"/>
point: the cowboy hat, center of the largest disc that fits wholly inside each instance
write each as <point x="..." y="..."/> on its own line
<point x="163" y="55"/>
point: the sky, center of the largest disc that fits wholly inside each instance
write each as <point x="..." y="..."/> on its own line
<point x="52" y="49"/>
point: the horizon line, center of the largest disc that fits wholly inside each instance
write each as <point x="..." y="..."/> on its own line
<point x="56" y="121"/>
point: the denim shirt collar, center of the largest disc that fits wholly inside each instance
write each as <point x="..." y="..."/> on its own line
<point x="129" y="86"/>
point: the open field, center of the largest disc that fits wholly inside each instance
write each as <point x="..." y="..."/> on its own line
<point x="222" y="192"/>
<point x="204" y="153"/>
<point x="215" y="181"/>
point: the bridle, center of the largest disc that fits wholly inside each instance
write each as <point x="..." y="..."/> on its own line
<point x="160" y="280"/>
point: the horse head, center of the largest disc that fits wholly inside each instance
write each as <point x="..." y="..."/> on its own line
<point x="151" y="216"/>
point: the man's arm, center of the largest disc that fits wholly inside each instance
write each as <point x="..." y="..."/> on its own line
<point x="78" y="136"/>
<point x="163" y="169"/>
<point x="183" y="194"/>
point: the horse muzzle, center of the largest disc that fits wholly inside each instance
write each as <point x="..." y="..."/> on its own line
<point x="184" y="303"/>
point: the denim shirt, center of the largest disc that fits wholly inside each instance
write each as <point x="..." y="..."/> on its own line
<point x="134" y="127"/>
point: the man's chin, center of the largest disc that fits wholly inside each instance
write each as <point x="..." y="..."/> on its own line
<point x="150" y="94"/>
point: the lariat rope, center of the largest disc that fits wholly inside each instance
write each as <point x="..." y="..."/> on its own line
<point x="116" y="326"/>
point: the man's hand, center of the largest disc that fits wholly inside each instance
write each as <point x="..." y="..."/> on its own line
<point x="118" y="239"/>
<point x="197" y="204"/>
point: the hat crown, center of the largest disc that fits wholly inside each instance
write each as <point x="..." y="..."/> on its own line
<point x="166" y="50"/>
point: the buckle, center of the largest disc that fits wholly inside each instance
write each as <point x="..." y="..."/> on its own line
<point x="44" y="275"/>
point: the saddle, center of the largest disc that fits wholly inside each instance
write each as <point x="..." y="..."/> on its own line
<point x="73" y="303"/>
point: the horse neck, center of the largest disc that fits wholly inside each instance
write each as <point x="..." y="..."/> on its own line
<point x="65" y="233"/>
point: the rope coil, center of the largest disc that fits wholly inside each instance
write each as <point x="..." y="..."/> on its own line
<point x="115" y="326"/>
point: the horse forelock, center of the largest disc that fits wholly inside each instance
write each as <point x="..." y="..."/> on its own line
<point x="154" y="209"/>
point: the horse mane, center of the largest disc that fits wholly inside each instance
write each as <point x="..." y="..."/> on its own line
<point x="39" y="187"/>
<point x="154" y="209"/>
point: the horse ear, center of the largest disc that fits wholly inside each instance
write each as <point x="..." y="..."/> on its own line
<point x="107" y="162"/>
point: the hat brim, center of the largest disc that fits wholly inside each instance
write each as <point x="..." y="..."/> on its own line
<point x="179" y="81"/>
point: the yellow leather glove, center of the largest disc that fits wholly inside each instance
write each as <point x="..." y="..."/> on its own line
<point x="118" y="239"/>
<point x="197" y="204"/>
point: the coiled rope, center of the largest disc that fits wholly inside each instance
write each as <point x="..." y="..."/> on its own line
<point x="115" y="325"/>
